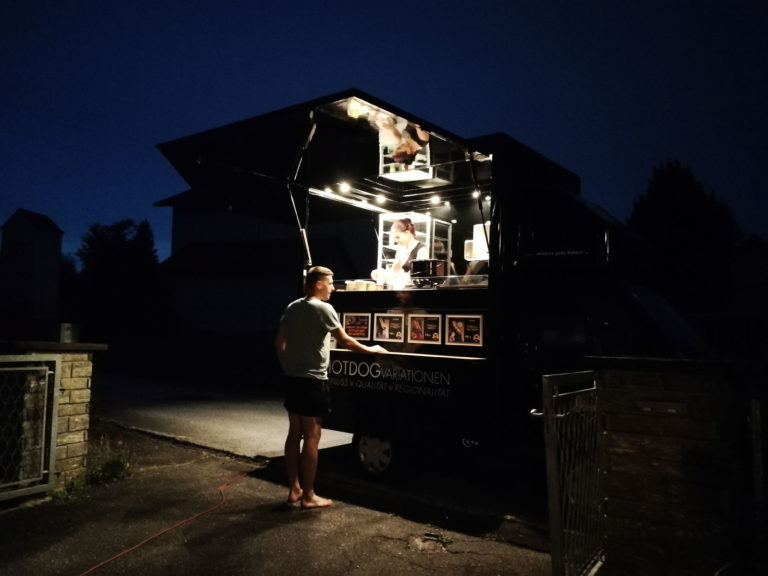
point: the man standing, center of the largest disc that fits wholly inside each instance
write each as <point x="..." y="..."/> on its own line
<point x="303" y="348"/>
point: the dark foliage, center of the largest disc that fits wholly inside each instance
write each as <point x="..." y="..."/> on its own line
<point x="691" y="237"/>
<point x="702" y="263"/>
<point x="117" y="282"/>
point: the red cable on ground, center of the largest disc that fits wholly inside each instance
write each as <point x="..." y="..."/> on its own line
<point x="170" y="528"/>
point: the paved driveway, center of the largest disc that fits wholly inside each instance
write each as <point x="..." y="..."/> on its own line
<point x="230" y="420"/>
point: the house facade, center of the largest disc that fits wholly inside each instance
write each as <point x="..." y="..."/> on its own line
<point x="30" y="270"/>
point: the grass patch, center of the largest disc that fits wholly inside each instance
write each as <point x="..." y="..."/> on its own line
<point x="108" y="461"/>
<point x="441" y="538"/>
<point x="73" y="489"/>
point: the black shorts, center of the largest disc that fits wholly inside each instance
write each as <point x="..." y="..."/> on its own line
<point x="306" y="396"/>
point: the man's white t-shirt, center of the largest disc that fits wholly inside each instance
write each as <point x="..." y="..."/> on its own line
<point x="308" y="325"/>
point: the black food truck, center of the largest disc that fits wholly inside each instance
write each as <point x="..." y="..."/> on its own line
<point x="520" y="276"/>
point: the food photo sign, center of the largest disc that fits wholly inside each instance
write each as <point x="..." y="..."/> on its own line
<point x="358" y="325"/>
<point x="388" y="327"/>
<point x="425" y="328"/>
<point x="464" y="330"/>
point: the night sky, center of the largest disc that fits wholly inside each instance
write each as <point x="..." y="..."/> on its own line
<point x="87" y="89"/>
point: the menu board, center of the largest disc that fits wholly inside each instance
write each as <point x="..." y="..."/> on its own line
<point x="424" y="328"/>
<point x="388" y="327"/>
<point x="358" y="325"/>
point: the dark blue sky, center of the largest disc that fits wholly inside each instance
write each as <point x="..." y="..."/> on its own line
<point x="87" y="89"/>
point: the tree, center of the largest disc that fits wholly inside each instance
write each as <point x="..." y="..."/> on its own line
<point x="117" y="281"/>
<point x="691" y="238"/>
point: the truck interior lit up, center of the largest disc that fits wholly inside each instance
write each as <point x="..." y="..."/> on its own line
<point x="521" y="276"/>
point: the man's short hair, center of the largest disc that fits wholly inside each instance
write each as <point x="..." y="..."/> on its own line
<point x="315" y="274"/>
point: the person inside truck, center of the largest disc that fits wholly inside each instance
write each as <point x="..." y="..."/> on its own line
<point x="303" y="349"/>
<point x="413" y="139"/>
<point x="408" y="247"/>
<point x="405" y="137"/>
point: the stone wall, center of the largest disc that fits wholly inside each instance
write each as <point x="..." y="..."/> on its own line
<point x="672" y="456"/>
<point x="73" y="417"/>
<point x="30" y="410"/>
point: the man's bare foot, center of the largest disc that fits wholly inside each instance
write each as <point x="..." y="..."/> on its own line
<point x="316" y="502"/>
<point x="294" y="496"/>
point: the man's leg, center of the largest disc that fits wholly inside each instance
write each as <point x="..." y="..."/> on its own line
<point x="311" y="428"/>
<point x="292" y="455"/>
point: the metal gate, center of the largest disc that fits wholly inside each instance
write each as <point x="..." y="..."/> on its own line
<point x="572" y="434"/>
<point x="28" y="402"/>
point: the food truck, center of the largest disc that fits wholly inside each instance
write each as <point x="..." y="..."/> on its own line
<point x="519" y="276"/>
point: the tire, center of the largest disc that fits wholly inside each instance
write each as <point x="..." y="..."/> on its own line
<point x="375" y="456"/>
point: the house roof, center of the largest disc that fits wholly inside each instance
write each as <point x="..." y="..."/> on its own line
<point x="33" y="219"/>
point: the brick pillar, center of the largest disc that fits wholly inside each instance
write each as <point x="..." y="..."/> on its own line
<point x="73" y="417"/>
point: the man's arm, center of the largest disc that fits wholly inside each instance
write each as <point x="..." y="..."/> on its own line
<point x="346" y="341"/>
<point x="280" y="343"/>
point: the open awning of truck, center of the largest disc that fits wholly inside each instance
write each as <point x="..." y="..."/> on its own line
<point x="330" y="147"/>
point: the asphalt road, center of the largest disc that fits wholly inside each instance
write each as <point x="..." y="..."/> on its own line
<point x="192" y="511"/>
<point x="456" y="492"/>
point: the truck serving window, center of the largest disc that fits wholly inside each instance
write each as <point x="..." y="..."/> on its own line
<point x="368" y="168"/>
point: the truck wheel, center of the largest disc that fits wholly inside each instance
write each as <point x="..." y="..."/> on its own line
<point x="374" y="455"/>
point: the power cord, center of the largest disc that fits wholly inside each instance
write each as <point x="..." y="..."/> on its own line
<point x="221" y="502"/>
